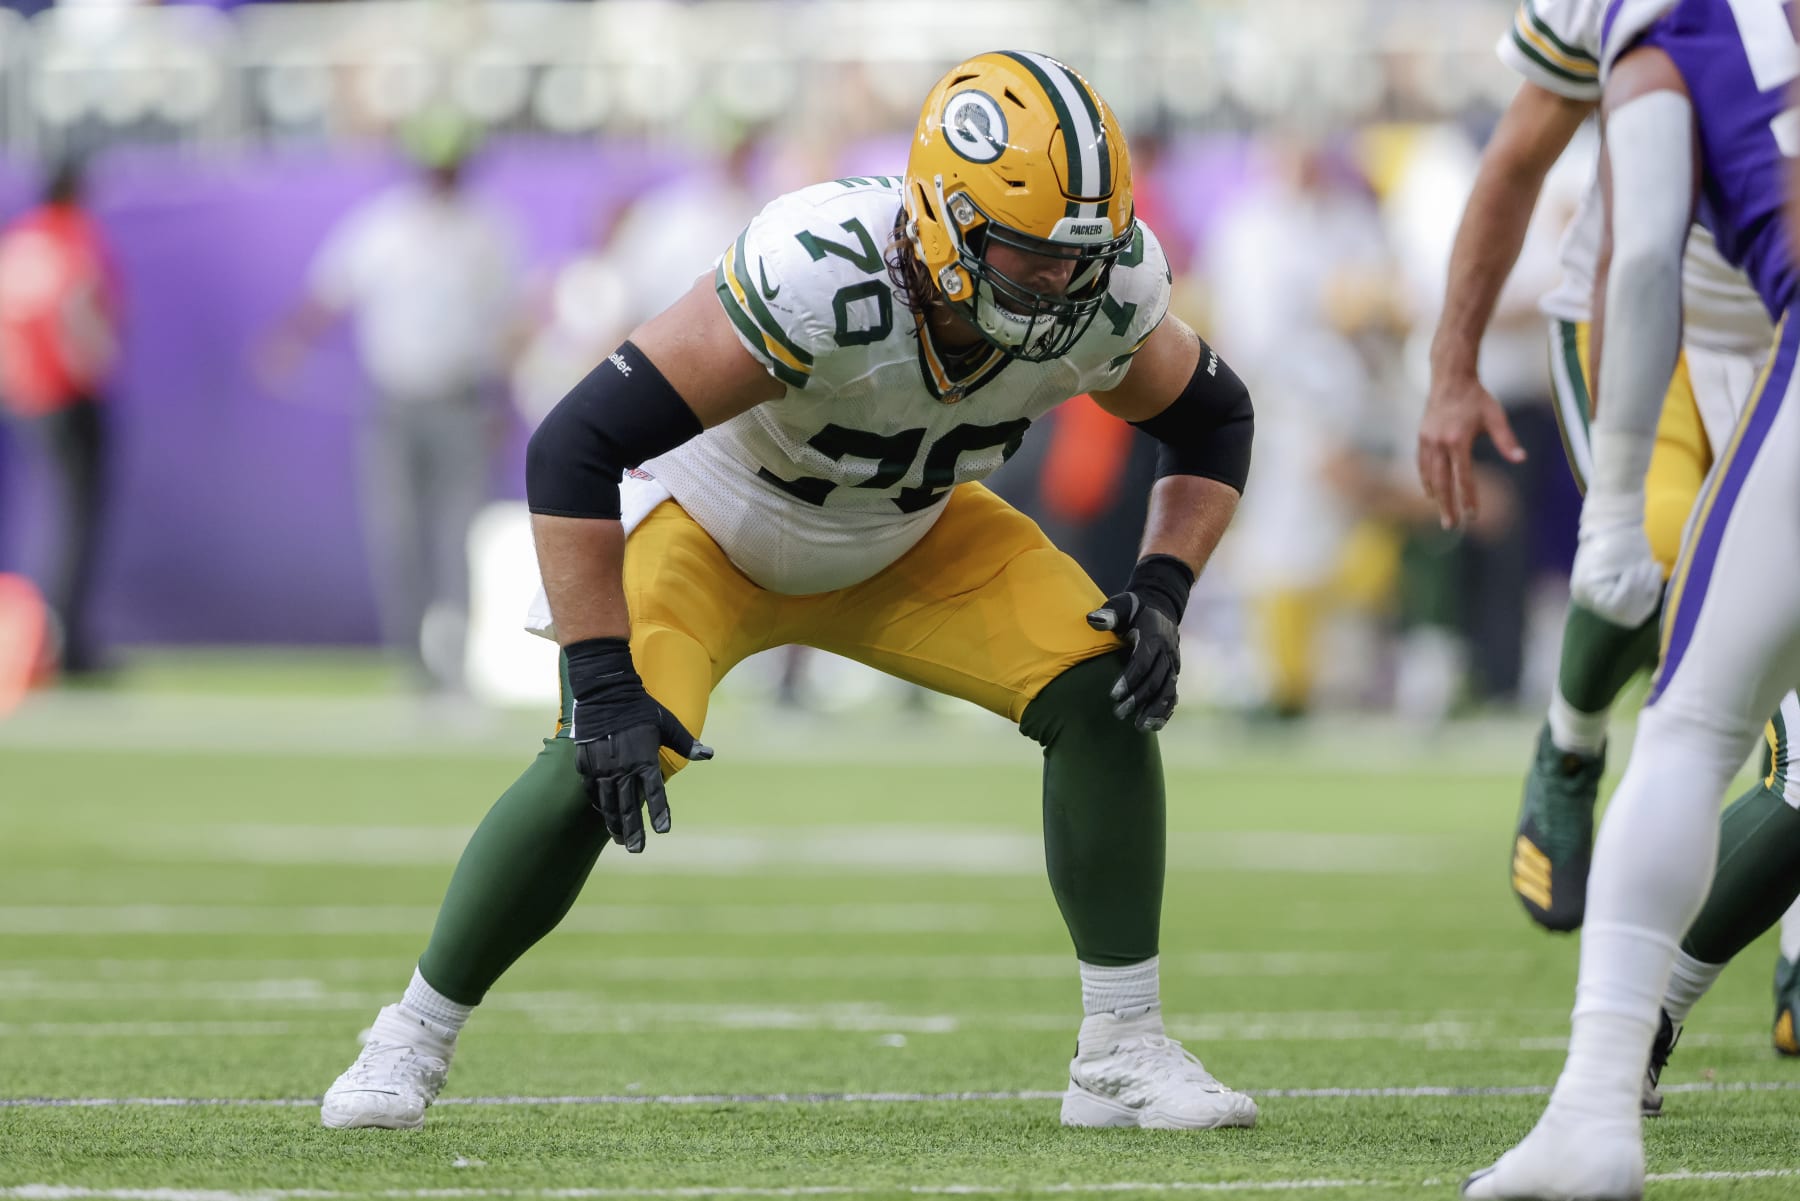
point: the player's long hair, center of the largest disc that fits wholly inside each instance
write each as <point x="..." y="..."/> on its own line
<point x="906" y="271"/>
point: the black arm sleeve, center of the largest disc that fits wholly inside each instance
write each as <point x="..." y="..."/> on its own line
<point x="1207" y="430"/>
<point x="622" y="413"/>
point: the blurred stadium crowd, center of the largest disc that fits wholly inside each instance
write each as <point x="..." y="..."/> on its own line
<point x="284" y="287"/>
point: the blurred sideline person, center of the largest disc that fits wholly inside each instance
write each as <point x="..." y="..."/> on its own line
<point x="1695" y="103"/>
<point x="811" y="422"/>
<point x="1483" y="574"/>
<point x="428" y="276"/>
<point x="1554" y="44"/>
<point x="1302" y="258"/>
<point x="59" y="339"/>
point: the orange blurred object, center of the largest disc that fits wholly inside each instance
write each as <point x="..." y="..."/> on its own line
<point x="24" y="640"/>
<point x="1086" y="460"/>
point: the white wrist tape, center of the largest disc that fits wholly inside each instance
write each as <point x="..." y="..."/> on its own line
<point x="1621" y="461"/>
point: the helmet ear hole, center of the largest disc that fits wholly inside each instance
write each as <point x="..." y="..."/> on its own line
<point x="925" y="203"/>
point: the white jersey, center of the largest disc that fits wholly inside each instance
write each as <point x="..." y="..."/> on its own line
<point x="829" y="483"/>
<point x="1556" y="45"/>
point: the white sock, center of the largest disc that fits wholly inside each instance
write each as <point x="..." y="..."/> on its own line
<point x="1790" y="933"/>
<point x="1593" y="1088"/>
<point x="1573" y="730"/>
<point x="1689" y="980"/>
<point x="1653" y="862"/>
<point x="427" y="1003"/>
<point x="1113" y="989"/>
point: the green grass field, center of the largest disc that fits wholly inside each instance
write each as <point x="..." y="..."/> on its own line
<point x="203" y="902"/>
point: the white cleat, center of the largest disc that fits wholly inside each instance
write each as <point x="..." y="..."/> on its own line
<point x="393" y="1082"/>
<point x="1566" y="1162"/>
<point x="1127" y="1072"/>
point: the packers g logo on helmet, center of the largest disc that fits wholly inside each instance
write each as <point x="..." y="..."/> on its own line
<point x="974" y="126"/>
<point x="1015" y="149"/>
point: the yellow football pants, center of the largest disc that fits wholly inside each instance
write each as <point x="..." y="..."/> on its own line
<point x="1682" y="456"/>
<point x="1288" y="619"/>
<point x="983" y="608"/>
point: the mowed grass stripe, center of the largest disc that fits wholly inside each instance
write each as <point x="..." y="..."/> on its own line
<point x="1448" y="1092"/>
<point x="1430" y="1036"/>
<point x="746" y="918"/>
<point x="163" y="977"/>
<point x="820" y="850"/>
<point x="68" y="1193"/>
<point x="54" y="1192"/>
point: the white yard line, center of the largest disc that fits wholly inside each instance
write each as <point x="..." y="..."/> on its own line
<point x="59" y="1192"/>
<point x="878" y="1098"/>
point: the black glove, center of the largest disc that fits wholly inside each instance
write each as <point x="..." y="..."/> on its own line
<point x="1148" y="616"/>
<point x="617" y="730"/>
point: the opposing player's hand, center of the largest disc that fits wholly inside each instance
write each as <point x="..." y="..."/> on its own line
<point x="1615" y="574"/>
<point x="618" y="729"/>
<point x="1147" y="615"/>
<point x="1457" y="410"/>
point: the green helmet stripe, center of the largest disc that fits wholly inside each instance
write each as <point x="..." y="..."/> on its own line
<point x="1064" y="118"/>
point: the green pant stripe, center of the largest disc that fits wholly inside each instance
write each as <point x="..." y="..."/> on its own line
<point x="565" y="715"/>
<point x="1572" y="398"/>
<point x="1778" y="771"/>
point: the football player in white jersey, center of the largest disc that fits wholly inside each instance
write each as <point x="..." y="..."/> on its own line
<point x="1554" y="46"/>
<point x="811" y="421"/>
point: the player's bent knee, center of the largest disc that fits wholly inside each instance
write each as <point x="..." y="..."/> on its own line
<point x="1079" y="703"/>
<point x="1678" y="720"/>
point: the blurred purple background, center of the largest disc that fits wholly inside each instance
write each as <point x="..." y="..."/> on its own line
<point x="233" y="517"/>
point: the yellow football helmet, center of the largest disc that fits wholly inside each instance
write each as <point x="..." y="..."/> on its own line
<point x="1014" y="148"/>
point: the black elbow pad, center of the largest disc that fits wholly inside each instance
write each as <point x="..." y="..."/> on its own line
<point x="622" y="413"/>
<point x="1207" y="430"/>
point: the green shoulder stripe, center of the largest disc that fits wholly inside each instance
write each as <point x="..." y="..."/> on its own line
<point x="753" y="333"/>
<point x="1549" y="35"/>
<point x="760" y="311"/>
<point x="1531" y="52"/>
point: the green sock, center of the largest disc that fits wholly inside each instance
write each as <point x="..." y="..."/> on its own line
<point x="521" y="871"/>
<point x="1103" y="816"/>
<point x="1758" y="876"/>
<point x="1599" y="658"/>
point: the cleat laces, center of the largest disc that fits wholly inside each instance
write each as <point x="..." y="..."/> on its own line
<point x="1159" y="1055"/>
<point x="384" y="1065"/>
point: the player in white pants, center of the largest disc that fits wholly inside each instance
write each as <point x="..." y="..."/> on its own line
<point x="1695" y="91"/>
<point x="1554" y="46"/>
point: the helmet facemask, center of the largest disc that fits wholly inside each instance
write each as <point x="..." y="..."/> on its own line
<point x="1024" y="322"/>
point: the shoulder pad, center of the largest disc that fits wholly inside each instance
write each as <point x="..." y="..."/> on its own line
<point x="780" y="280"/>
<point x="1138" y="298"/>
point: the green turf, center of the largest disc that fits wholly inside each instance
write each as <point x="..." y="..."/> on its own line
<point x="220" y="925"/>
